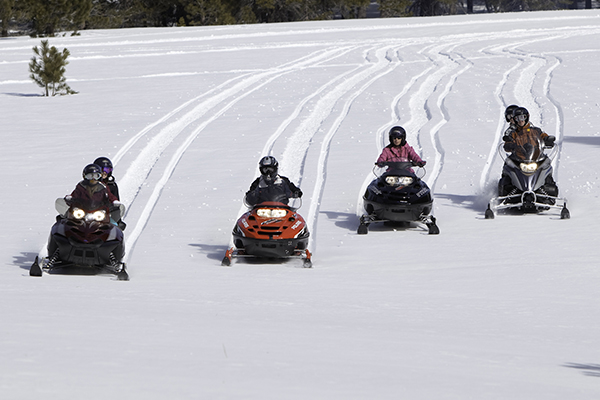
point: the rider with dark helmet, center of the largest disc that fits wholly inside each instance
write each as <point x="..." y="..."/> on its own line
<point x="399" y="150"/>
<point x="107" y="177"/>
<point x="525" y="135"/>
<point x="270" y="184"/>
<point x="508" y="113"/>
<point x="91" y="192"/>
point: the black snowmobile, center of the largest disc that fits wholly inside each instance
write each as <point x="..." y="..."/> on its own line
<point x="84" y="241"/>
<point x="397" y="195"/>
<point x="527" y="185"/>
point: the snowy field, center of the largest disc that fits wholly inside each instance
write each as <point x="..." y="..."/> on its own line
<point x="489" y="309"/>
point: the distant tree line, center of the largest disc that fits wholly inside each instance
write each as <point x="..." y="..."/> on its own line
<point x="49" y="17"/>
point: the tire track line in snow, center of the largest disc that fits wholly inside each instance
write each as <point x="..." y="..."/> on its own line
<point x="529" y="67"/>
<point x="295" y="152"/>
<point x="559" y="126"/>
<point x="502" y="104"/>
<point x="319" y="186"/>
<point x="141" y="166"/>
<point x="442" y="64"/>
<point x="298" y="144"/>
<point x="434" y="132"/>
<point x="268" y="147"/>
<point x="153" y="153"/>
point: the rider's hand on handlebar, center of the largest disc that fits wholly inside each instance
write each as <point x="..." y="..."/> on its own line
<point x="509" y="146"/>
<point x="549" y="141"/>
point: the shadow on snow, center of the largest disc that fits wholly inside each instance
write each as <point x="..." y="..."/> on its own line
<point x="587" y="369"/>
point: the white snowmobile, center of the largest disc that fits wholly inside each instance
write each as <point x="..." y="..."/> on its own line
<point x="527" y="185"/>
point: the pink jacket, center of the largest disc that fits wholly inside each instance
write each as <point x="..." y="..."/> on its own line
<point x="399" y="154"/>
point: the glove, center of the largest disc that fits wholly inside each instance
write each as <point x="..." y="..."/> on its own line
<point x="296" y="195"/>
<point x="421" y="164"/>
<point x="509" y="146"/>
<point x="549" y="141"/>
<point x="507" y="138"/>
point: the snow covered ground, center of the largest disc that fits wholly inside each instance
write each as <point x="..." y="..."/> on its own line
<point x="489" y="309"/>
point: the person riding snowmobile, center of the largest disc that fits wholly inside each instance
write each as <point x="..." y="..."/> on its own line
<point x="399" y="150"/>
<point x="107" y="177"/>
<point x="508" y="115"/>
<point x="525" y="133"/>
<point x="91" y="191"/>
<point x="109" y="181"/>
<point x="516" y="142"/>
<point x="270" y="184"/>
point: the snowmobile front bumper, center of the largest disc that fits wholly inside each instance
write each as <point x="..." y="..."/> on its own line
<point x="401" y="212"/>
<point x="270" y="248"/>
<point x="527" y="202"/>
<point x="96" y="254"/>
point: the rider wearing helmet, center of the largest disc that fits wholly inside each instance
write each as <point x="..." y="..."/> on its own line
<point x="270" y="184"/>
<point x="508" y="115"/>
<point x="525" y="135"/>
<point x="107" y="178"/>
<point x="398" y="150"/>
<point x="91" y="192"/>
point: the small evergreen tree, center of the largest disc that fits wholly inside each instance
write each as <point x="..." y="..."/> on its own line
<point x="47" y="69"/>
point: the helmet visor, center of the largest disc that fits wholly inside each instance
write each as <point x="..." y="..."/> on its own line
<point x="92" y="176"/>
<point x="107" y="170"/>
<point x="268" y="171"/>
<point x="521" y="117"/>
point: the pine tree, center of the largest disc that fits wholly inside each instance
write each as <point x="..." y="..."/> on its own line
<point x="47" y="69"/>
<point x="51" y="16"/>
<point x="6" y="7"/>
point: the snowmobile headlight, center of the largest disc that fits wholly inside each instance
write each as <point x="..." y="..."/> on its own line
<point x="271" y="212"/>
<point x="263" y="212"/>
<point x="398" y="180"/>
<point x="78" y="213"/>
<point x="278" y="213"/>
<point x="98" y="215"/>
<point x="529" y="168"/>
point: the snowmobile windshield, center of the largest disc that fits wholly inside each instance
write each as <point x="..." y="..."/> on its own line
<point x="272" y="194"/>
<point x="404" y="168"/>
<point x="529" y="152"/>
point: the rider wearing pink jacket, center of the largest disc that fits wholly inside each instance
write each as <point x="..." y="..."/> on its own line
<point x="398" y="150"/>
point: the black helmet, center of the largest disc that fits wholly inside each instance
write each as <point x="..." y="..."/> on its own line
<point x="268" y="166"/>
<point x="397" y="132"/>
<point x="508" y="113"/>
<point x="521" y="114"/>
<point x="105" y="165"/>
<point x="92" y="172"/>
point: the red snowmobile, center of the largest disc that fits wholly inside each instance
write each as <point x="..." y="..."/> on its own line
<point x="271" y="229"/>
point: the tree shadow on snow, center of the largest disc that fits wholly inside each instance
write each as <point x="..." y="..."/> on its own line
<point x="212" y="252"/>
<point x="587" y="369"/>
<point x="23" y="94"/>
<point x="24" y="260"/>
<point x="586" y="140"/>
